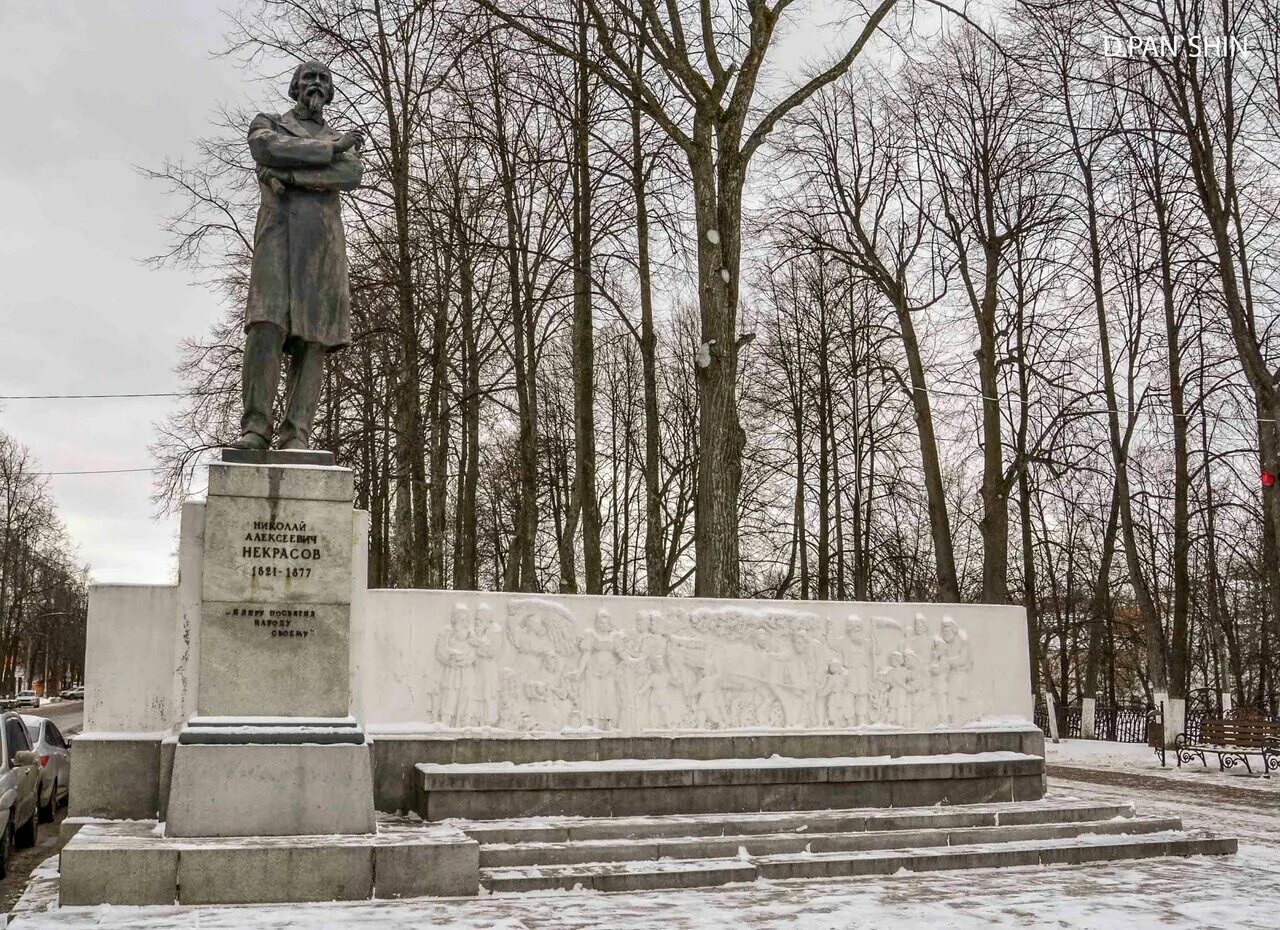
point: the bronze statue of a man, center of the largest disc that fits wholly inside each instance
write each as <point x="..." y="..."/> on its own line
<point x="299" y="301"/>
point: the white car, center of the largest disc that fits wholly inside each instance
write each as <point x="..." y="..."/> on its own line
<point x="19" y="789"/>
<point x="54" y="756"/>
<point x="27" y="699"/>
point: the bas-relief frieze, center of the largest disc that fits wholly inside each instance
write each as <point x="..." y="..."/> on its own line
<point x="529" y="665"/>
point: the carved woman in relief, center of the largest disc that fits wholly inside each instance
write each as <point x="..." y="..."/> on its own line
<point x="455" y="650"/>
<point x="602" y="654"/>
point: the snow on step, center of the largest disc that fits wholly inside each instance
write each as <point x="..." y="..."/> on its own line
<point x="685" y="873"/>
<point x="1071" y="851"/>
<point x="562" y="829"/>
<point x="622" y="876"/>
<point x="504" y="855"/>
<point x="452" y="775"/>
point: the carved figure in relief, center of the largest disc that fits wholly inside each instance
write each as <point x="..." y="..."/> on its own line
<point x="916" y="685"/>
<point x="562" y="689"/>
<point x="455" y="650"/>
<point x="857" y="661"/>
<point x="892" y="682"/>
<point x="535" y="626"/>
<point x="602" y="653"/>
<point x="886" y="635"/>
<point x="653" y="704"/>
<point x="920" y="638"/>
<point x="689" y="662"/>
<point x="488" y="640"/>
<point x="509" y="714"/>
<point x="940" y="679"/>
<point x="797" y="687"/>
<point x="541" y="707"/>
<point x="834" y="699"/>
<point x="708" y="668"/>
<point x="960" y="664"/>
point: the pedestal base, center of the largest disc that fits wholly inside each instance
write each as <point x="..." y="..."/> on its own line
<point x="126" y="863"/>
<point x="270" y="790"/>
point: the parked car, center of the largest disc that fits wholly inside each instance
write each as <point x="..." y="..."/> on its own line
<point x="19" y="789"/>
<point x="54" y="756"/>
<point x="76" y="694"/>
<point x="28" y="699"/>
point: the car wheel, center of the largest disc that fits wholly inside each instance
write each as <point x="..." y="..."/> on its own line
<point x="25" y="836"/>
<point x="48" y="811"/>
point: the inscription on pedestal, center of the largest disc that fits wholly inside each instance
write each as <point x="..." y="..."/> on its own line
<point x="278" y="551"/>
<point x="278" y="622"/>
<point x="261" y="660"/>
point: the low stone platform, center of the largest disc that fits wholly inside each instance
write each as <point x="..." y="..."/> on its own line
<point x="643" y="853"/>
<point x="397" y="754"/>
<point x="626" y="787"/>
<point x="130" y="863"/>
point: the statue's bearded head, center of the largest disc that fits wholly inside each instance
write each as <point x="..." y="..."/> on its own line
<point x="312" y="85"/>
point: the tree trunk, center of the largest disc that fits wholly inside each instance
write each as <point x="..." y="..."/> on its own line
<point x="717" y="192"/>
<point x="995" y="500"/>
<point x="584" y="421"/>
<point x="655" y="585"/>
<point x="939" y="518"/>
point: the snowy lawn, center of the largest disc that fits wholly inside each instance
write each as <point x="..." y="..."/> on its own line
<point x="1208" y="892"/>
<point x="1140" y="759"/>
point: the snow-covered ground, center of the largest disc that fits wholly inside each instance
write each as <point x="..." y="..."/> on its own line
<point x="1137" y="758"/>
<point x="1209" y="892"/>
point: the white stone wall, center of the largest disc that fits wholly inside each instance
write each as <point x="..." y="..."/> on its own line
<point x="529" y="663"/>
<point x="431" y="660"/>
<point x="129" y="647"/>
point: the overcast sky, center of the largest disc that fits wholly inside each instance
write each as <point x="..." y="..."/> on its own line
<point x="94" y="88"/>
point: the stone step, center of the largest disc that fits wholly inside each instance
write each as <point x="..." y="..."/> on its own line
<point x="501" y="855"/>
<point x="569" y="829"/>
<point x="627" y="787"/>
<point x="686" y="873"/>
<point x="1071" y="851"/>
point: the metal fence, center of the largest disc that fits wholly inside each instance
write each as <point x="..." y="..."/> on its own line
<point x="1127" y="724"/>
<point x="1119" y="725"/>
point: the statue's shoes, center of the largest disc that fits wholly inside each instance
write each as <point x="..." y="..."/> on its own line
<point x="251" y="442"/>
<point x="294" y="445"/>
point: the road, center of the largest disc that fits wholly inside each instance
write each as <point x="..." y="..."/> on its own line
<point x="67" y="716"/>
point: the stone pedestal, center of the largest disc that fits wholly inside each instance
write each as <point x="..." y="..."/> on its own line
<point x="270" y="790"/>
<point x="272" y="750"/>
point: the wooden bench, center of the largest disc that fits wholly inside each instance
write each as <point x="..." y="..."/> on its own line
<point x="1243" y="733"/>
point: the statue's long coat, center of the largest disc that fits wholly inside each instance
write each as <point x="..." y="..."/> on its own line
<point x="299" y="276"/>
